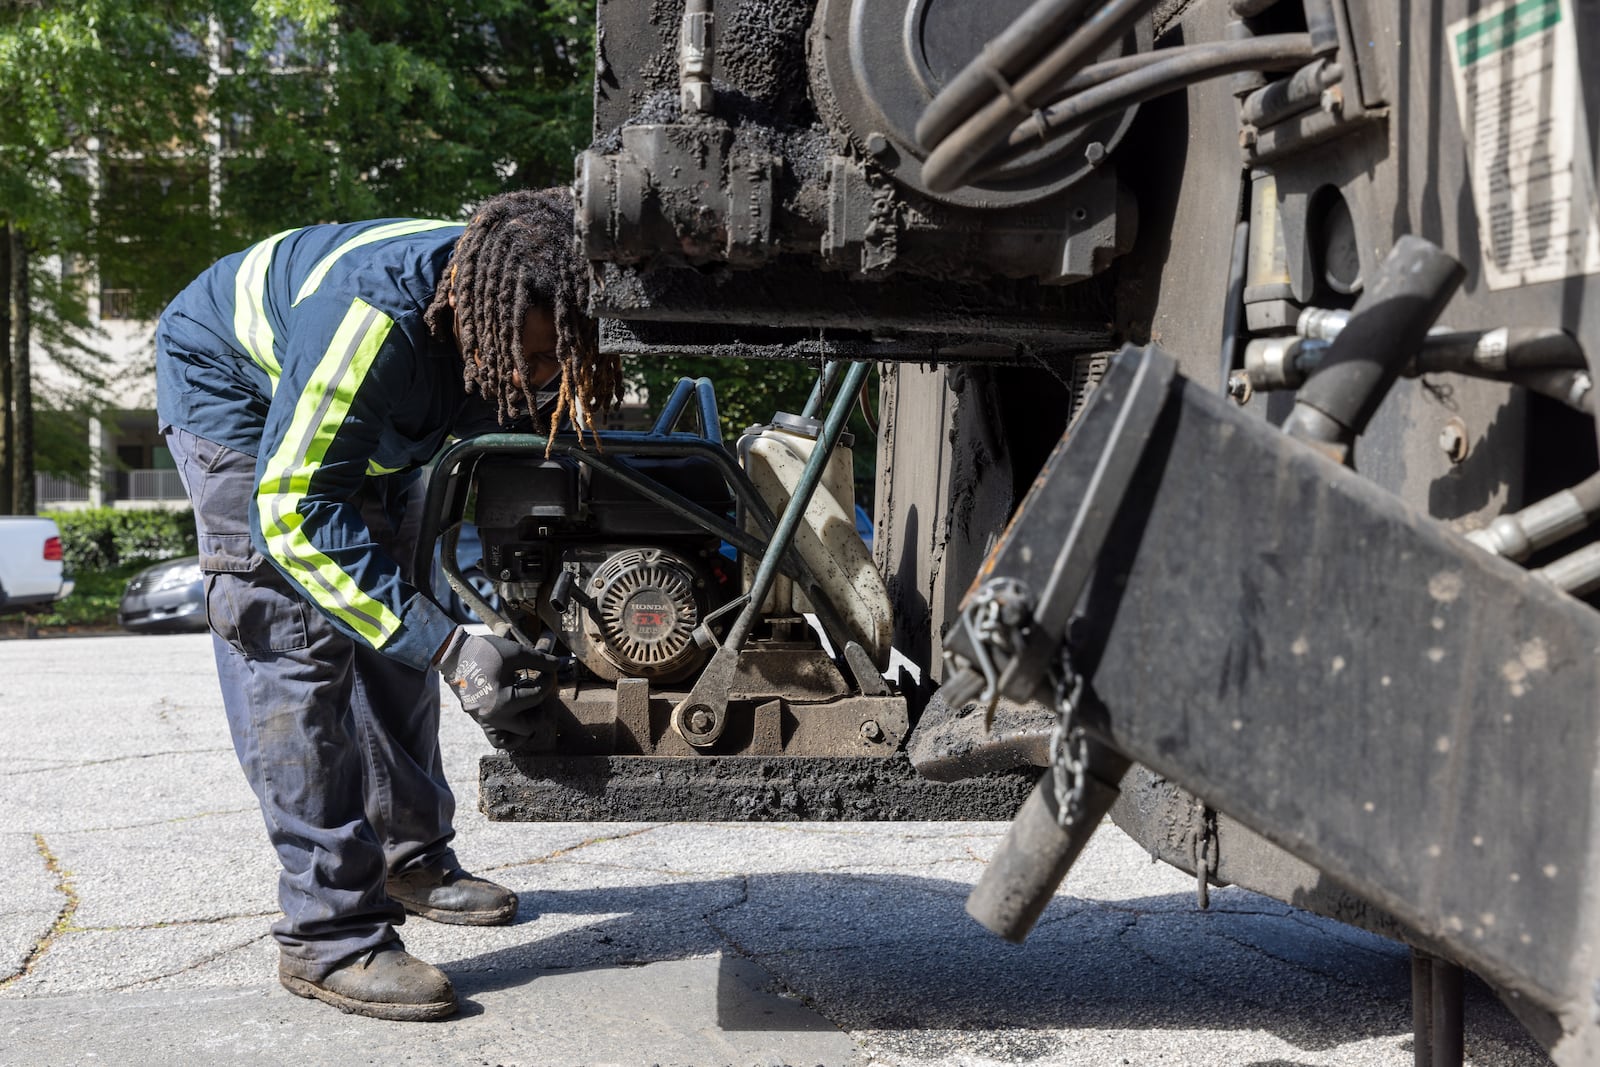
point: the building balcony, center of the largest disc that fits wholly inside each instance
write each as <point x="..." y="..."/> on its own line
<point x="125" y="489"/>
<point x="52" y="493"/>
<point x="137" y="488"/>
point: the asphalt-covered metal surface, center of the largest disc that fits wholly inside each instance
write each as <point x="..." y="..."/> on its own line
<point x="136" y="887"/>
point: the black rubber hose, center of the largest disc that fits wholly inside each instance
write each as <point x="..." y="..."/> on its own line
<point x="1322" y="25"/>
<point x="1001" y="60"/>
<point x="1110" y="69"/>
<point x="1299" y="92"/>
<point x="956" y="155"/>
<point x="1106" y="70"/>
<point x="1574" y="388"/>
<point x="1233" y="311"/>
<point x="1386" y="330"/>
<point x="1512" y="349"/>
<point x="1178" y="68"/>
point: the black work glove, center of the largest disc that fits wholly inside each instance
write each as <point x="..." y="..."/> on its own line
<point x="485" y="673"/>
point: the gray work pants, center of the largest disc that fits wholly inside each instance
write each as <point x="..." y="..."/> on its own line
<point x="339" y="742"/>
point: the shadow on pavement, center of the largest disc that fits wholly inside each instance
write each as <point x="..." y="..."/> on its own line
<point x="897" y="953"/>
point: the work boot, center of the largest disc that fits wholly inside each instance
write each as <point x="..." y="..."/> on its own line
<point x="453" y="896"/>
<point x="385" y="983"/>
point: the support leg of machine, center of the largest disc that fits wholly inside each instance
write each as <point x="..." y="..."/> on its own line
<point x="1437" y="999"/>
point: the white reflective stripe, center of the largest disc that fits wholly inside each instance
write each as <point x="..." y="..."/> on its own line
<point x="250" y="323"/>
<point x="377" y="233"/>
<point x="322" y="409"/>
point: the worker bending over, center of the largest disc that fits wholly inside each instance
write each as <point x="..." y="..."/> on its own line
<point x="302" y="383"/>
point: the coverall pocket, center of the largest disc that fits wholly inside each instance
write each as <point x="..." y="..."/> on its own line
<point x="256" y="611"/>
<point x="249" y="603"/>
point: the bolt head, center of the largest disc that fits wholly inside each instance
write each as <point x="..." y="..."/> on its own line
<point x="1095" y="153"/>
<point x="871" y="731"/>
<point x="877" y="144"/>
<point x="700" y="721"/>
<point x="1453" y="441"/>
<point x="697" y="98"/>
<point x="1333" y="100"/>
<point x="1239" y="387"/>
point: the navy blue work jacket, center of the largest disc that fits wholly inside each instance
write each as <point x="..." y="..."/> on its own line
<point x="308" y="351"/>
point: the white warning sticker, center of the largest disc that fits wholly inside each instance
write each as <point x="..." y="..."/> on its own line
<point x="1516" y="77"/>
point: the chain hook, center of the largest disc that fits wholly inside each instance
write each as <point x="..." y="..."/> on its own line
<point x="1069" y="744"/>
<point x="994" y="620"/>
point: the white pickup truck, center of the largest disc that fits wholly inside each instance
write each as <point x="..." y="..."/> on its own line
<point x="30" y="563"/>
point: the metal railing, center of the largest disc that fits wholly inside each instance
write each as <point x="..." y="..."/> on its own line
<point x="53" y="489"/>
<point x="149" y="485"/>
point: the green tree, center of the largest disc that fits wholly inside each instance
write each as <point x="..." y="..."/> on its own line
<point x="321" y="110"/>
<point x="84" y="83"/>
<point x="409" y="109"/>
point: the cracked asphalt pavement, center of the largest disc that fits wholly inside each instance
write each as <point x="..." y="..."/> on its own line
<point x="137" y="886"/>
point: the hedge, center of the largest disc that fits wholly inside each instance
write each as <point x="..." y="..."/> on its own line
<point x="99" y="539"/>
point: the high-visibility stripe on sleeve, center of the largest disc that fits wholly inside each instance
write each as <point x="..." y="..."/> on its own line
<point x="403" y="228"/>
<point x="251" y="326"/>
<point x="321" y="410"/>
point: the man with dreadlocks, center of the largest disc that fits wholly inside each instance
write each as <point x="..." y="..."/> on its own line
<point x="302" y="382"/>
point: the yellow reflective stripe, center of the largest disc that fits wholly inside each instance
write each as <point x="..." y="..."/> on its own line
<point x="377" y="233"/>
<point x="375" y="468"/>
<point x="323" y="406"/>
<point x="250" y="323"/>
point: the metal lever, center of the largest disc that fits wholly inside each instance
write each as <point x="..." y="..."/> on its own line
<point x="699" y="719"/>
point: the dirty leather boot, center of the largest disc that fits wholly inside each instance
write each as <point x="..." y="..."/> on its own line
<point x="385" y="983"/>
<point x="453" y="896"/>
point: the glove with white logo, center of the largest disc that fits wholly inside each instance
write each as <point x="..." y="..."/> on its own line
<point x="498" y="681"/>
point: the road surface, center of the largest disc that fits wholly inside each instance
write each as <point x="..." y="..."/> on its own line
<point x="136" y="888"/>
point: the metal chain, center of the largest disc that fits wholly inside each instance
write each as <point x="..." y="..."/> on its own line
<point x="991" y="619"/>
<point x="1069" y="744"/>
<point x="1203" y="849"/>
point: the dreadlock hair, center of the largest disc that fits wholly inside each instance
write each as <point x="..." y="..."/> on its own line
<point x="518" y="253"/>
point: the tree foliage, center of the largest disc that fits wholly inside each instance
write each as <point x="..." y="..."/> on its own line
<point x="139" y="142"/>
<point x="411" y="109"/>
<point x="112" y="116"/>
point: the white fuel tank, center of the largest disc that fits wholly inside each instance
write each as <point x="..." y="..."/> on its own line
<point x="774" y="456"/>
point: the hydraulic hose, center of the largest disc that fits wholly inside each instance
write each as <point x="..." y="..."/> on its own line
<point x="1176" y="69"/>
<point x="1501" y="350"/>
<point x="1542" y="524"/>
<point x="1385" y="330"/>
<point x="1001" y="60"/>
<point x="1574" y="388"/>
<point x="1540" y="358"/>
<point x="1233" y="313"/>
<point x="1299" y="92"/>
<point x="956" y="155"/>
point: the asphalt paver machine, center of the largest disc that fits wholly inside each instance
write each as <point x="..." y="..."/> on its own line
<point x="1236" y="469"/>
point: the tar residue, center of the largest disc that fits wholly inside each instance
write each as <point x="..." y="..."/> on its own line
<point x="760" y="54"/>
<point x="762" y="50"/>
<point x="735" y="789"/>
<point x="760" y="84"/>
